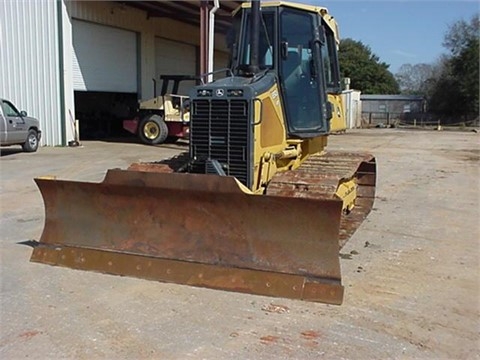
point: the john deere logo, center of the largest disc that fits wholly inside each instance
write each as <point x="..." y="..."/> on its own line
<point x="219" y="92"/>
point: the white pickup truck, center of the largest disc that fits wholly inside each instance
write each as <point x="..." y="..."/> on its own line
<point x="16" y="128"/>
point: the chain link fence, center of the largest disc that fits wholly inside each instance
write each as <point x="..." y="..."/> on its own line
<point x="418" y="119"/>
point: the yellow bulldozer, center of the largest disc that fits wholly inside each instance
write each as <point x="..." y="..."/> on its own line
<point x="257" y="205"/>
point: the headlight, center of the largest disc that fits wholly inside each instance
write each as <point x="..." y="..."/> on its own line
<point x="204" y="92"/>
<point x="235" y="92"/>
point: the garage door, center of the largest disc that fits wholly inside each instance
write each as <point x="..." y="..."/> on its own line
<point x="173" y="58"/>
<point x="104" y="58"/>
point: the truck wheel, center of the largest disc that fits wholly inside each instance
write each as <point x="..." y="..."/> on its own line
<point x="31" y="144"/>
<point x="153" y="130"/>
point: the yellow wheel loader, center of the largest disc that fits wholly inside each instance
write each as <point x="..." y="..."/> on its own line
<point x="163" y="117"/>
<point x="257" y="205"/>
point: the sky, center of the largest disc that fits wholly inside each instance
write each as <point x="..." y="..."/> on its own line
<point x="399" y="32"/>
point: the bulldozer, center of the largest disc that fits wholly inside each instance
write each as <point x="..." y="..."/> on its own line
<point x="257" y="205"/>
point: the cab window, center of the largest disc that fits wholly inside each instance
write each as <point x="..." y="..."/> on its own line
<point x="9" y="109"/>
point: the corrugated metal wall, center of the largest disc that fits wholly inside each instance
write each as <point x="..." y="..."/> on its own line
<point x="124" y="17"/>
<point x="29" y="67"/>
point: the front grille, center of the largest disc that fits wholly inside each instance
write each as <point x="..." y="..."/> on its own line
<point x="220" y="130"/>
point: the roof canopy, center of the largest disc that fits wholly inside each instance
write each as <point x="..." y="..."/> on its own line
<point x="187" y="11"/>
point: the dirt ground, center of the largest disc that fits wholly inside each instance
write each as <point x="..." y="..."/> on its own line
<point x="411" y="272"/>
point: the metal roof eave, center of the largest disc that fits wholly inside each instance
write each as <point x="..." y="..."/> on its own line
<point x="186" y="11"/>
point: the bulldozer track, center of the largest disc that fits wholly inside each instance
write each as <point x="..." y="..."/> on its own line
<point x="318" y="178"/>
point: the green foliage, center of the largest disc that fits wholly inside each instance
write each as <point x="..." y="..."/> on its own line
<point x="454" y="91"/>
<point x="364" y="69"/>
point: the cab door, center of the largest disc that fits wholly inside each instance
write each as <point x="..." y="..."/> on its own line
<point x="301" y="74"/>
<point x="16" y="128"/>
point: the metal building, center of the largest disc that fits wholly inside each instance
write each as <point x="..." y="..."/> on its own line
<point x="390" y="109"/>
<point x="62" y="60"/>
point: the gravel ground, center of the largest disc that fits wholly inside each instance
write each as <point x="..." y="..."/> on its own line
<point x="411" y="272"/>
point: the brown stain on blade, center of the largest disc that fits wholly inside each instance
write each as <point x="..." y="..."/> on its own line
<point x="219" y="227"/>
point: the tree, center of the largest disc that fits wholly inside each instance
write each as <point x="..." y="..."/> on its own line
<point x="455" y="89"/>
<point x="413" y="79"/>
<point x="365" y="70"/>
<point x="460" y="35"/>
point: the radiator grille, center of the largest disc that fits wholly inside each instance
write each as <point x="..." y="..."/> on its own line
<point x="219" y="130"/>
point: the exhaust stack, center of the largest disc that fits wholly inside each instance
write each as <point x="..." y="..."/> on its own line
<point x="254" y="37"/>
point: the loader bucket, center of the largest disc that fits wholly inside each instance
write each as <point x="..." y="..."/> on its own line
<point x="199" y="230"/>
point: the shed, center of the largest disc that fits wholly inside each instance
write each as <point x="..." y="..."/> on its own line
<point x="390" y="109"/>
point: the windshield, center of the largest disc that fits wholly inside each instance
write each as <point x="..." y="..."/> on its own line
<point x="301" y="86"/>
<point x="266" y="55"/>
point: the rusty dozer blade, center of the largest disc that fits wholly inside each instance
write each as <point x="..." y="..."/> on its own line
<point x="199" y="230"/>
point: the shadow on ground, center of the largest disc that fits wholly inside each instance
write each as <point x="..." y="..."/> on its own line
<point x="10" y="151"/>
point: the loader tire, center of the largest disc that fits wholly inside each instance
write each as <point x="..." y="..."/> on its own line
<point x="153" y="130"/>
